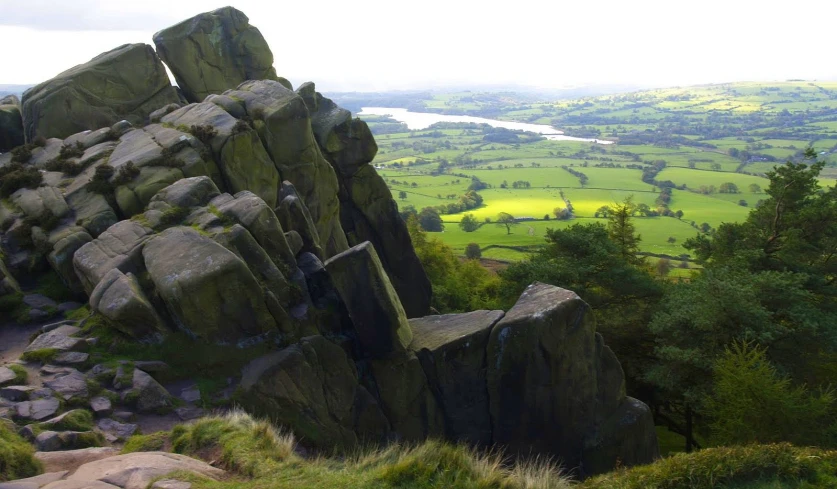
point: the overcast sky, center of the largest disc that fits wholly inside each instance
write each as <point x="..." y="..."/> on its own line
<point x="386" y="44"/>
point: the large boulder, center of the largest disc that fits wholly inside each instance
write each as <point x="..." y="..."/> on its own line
<point x="215" y="51"/>
<point x="379" y="320"/>
<point x="128" y="82"/>
<point x="242" y="159"/>
<point x="313" y="387"/>
<point x="120" y="298"/>
<point x="120" y="247"/>
<point x="367" y="210"/>
<point x="206" y="288"/>
<point x="451" y="348"/>
<point x="543" y="386"/>
<point x="285" y="129"/>
<point x="11" y="123"/>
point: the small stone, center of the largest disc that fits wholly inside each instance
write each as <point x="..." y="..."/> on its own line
<point x="171" y="484"/>
<point x="16" y="393"/>
<point x="122" y="379"/>
<point x="38" y="301"/>
<point x="57" y="341"/>
<point x="7" y="376"/>
<point x="101" y="406"/>
<point x="71" y="358"/>
<point x="188" y="413"/>
<point x="50" y="369"/>
<point x="52" y="441"/>
<point x="70" y="386"/>
<point x="119" y="430"/>
<point x="37" y="410"/>
<point x="67" y="329"/>
<point x="191" y="393"/>
<point x="101" y="372"/>
<point x="149" y="394"/>
<point x="53" y="326"/>
<point x="28" y="433"/>
<point x="42" y="393"/>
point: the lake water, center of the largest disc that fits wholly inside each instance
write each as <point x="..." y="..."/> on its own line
<point x="423" y="120"/>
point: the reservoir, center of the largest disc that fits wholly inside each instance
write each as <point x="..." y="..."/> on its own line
<point x="423" y="120"/>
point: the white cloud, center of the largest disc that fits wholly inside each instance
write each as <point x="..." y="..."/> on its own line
<point x="380" y="44"/>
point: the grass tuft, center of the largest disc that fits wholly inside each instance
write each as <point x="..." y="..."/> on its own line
<point x="146" y="443"/>
<point x="43" y="356"/>
<point x="21" y="375"/>
<point x="17" y="459"/>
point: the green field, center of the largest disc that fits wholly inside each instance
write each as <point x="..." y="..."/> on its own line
<point x="702" y="137"/>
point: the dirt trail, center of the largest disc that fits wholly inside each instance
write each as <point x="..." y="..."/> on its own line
<point x="14" y="338"/>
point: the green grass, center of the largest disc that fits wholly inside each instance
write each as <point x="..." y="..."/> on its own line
<point x="43" y="356"/>
<point x="21" y="375"/>
<point x="17" y="459"/>
<point x="752" y="467"/>
<point x="258" y="455"/>
<point x="146" y="443"/>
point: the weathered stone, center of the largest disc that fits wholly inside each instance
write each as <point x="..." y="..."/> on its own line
<point x="367" y="210"/>
<point x="41" y="202"/>
<point x="92" y="211"/>
<point x="138" y="470"/>
<point x="294" y="241"/>
<point x="72" y="387"/>
<point x="215" y="51"/>
<point x="128" y="82"/>
<point x="312" y="386"/>
<point x="451" y="349"/>
<point x="38" y="409"/>
<point x="188" y="413"/>
<point x="34" y="482"/>
<point x="294" y="215"/>
<point x="241" y="157"/>
<point x="56" y="340"/>
<point x="158" y="114"/>
<point x="71" y="358"/>
<point x="206" y="288"/>
<point x="16" y="393"/>
<point x="188" y="192"/>
<point x="406" y="397"/>
<point x="7" y="376"/>
<point x="149" y="394"/>
<point x="287" y="135"/>
<point x="39" y="301"/>
<point x="373" y="305"/>
<point x="119" y="247"/>
<point x="101" y="406"/>
<point x="254" y="214"/>
<point x="72" y="459"/>
<point x="120" y="298"/>
<point x="115" y="430"/>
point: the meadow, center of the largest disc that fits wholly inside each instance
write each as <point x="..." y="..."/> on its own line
<point x="699" y="138"/>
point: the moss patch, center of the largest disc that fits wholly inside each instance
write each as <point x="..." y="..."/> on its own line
<point x="147" y="443"/>
<point x="44" y="355"/>
<point x="21" y="375"/>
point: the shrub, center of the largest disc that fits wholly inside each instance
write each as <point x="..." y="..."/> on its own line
<point x="22" y="154"/>
<point x="71" y="151"/>
<point x="241" y="125"/>
<point x="100" y="183"/>
<point x="14" y="177"/>
<point x="473" y="251"/>
<point x="167" y="159"/>
<point x="17" y="459"/>
<point x="127" y="173"/>
<point x="71" y="168"/>
<point x="204" y="133"/>
<point x="39" y="141"/>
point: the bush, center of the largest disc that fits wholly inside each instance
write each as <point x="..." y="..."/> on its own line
<point x="100" y="183"/>
<point x="71" y="151"/>
<point x="22" y="154"/>
<point x="71" y="168"/>
<point x="241" y="126"/>
<point x="168" y="160"/>
<point x="173" y="216"/>
<point x="752" y="403"/>
<point x="473" y="251"/>
<point x="17" y="459"/>
<point x="204" y="133"/>
<point x="14" y="177"/>
<point x="127" y="173"/>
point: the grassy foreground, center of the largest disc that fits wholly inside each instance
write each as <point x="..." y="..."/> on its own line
<point x="16" y="455"/>
<point x="259" y="456"/>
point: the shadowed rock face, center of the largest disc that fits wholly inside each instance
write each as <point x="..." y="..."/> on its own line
<point x="128" y="82"/>
<point x="11" y="123"/>
<point x="215" y="51"/>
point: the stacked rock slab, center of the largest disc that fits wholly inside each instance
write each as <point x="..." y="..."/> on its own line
<point x="128" y="82"/>
<point x="367" y="210"/>
<point x="215" y="51"/>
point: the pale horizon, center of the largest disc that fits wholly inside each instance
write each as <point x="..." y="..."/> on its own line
<point x="387" y="46"/>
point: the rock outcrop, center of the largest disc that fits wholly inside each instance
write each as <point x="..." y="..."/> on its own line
<point x="215" y="51"/>
<point x="128" y="83"/>
<point x="11" y="123"/>
<point x="252" y="218"/>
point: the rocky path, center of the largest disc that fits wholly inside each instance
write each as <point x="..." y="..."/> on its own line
<point x="78" y="413"/>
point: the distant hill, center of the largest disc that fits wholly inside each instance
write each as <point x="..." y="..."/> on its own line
<point x="13" y="89"/>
